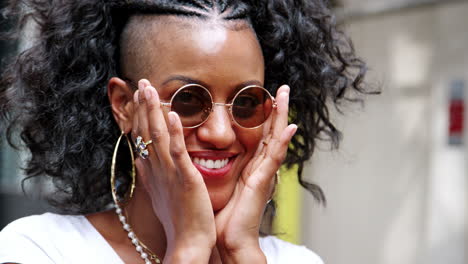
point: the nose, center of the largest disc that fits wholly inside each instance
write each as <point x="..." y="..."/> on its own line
<point x="218" y="130"/>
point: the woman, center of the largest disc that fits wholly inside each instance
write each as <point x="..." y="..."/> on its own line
<point x="181" y="84"/>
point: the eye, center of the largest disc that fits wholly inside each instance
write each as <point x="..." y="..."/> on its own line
<point x="189" y="102"/>
<point x="245" y="105"/>
<point x="247" y="100"/>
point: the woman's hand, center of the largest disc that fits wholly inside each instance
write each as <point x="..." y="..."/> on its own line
<point x="238" y="223"/>
<point x="178" y="193"/>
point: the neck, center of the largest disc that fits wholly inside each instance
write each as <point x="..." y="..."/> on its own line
<point x="145" y="223"/>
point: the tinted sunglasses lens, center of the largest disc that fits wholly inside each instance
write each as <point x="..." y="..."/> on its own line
<point x="252" y="107"/>
<point x="192" y="104"/>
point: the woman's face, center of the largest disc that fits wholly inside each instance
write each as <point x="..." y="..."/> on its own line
<point x="224" y="61"/>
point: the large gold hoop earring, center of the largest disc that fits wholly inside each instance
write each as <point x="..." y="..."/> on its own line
<point x="129" y="194"/>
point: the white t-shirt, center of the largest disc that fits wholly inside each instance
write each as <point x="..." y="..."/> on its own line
<point x="52" y="238"/>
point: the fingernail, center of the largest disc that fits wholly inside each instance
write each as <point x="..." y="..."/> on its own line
<point x="293" y="130"/>
<point x="141" y="85"/>
<point x="287" y="88"/>
<point x="172" y="118"/>
<point x="135" y="97"/>
<point x="154" y="92"/>
<point x="148" y="93"/>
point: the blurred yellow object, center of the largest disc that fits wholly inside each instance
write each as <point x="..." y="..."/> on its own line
<point x="287" y="223"/>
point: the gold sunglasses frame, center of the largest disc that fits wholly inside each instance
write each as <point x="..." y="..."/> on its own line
<point x="228" y="105"/>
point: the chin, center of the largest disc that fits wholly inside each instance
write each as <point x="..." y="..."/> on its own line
<point x="219" y="199"/>
<point x="218" y="207"/>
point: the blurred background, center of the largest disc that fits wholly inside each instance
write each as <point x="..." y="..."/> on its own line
<point x="396" y="187"/>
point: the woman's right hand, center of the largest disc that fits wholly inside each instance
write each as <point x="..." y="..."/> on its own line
<point x="178" y="193"/>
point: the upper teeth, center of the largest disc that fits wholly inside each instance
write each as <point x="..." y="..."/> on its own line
<point x="211" y="164"/>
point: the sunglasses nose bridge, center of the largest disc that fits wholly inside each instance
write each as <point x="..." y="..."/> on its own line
<point x="224" y="105"/>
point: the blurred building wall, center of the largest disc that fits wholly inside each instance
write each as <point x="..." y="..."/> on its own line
<point x="396" y="188"/>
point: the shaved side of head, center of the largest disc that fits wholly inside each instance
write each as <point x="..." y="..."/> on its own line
<point x="139" y="37"/>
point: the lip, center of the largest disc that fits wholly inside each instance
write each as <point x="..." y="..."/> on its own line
<point x="213" y="174"/>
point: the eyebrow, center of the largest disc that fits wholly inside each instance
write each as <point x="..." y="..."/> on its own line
<point x="187" y="80"/>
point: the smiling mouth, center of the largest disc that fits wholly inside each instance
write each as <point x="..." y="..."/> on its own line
<point x="211" y="164"/>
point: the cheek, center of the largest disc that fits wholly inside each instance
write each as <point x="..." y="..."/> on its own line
<point x="249" y="139"/>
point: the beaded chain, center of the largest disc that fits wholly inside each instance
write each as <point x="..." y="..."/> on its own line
<point x="139" y="246"/>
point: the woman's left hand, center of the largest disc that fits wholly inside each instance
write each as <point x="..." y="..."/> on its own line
<point x="238" y="223"/>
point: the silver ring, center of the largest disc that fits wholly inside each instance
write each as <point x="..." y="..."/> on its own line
<point x="141" y="147"/>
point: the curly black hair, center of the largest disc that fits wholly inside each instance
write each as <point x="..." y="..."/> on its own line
<point x="54" y="92"/>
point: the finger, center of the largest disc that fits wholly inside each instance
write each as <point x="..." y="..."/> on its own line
<point x="142" y="129"/>
<point x="262" y="146"/>
<point x="268" y="123"/>
<point x="157" y="125"/>
<point x="281" y="116"/>
<point x="274" y="156"/>
<point x="135" y="116"/>
<point x="142" y="168"/>
<point x="188" y="174"/>
<point x="258" y="187"/>
<point x="268" y="129"/>
<point x="271" y="144"/>
<point x="266" y="136"/>
<point x="277" y="153"/>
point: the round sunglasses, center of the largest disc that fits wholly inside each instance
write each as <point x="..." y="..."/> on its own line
<point x="249" y="108"/>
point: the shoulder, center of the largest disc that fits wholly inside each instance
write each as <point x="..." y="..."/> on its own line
<point x="47" y="221"/>
<point x="45" y="227"/>
<point x="278" y="251"/>
<point x="36" y="239"/>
